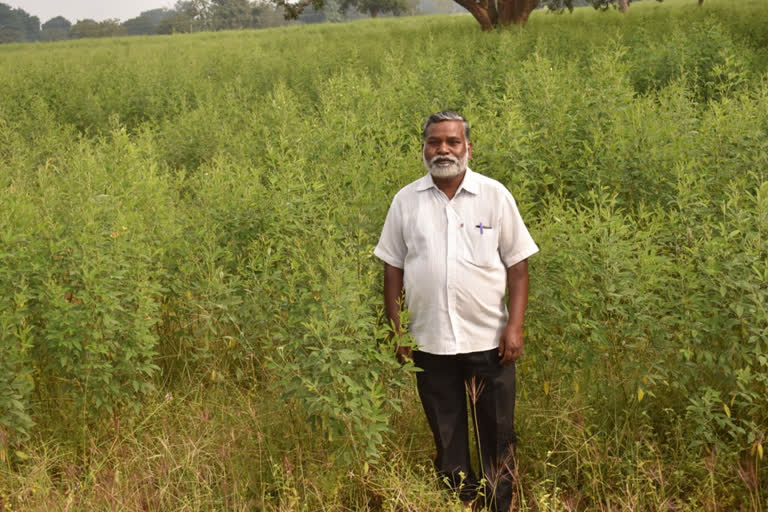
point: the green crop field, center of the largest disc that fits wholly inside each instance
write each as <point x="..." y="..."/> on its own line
<point x="192" y="317"/>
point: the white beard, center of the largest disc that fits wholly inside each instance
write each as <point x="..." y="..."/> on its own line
<point x="456" y="167"/>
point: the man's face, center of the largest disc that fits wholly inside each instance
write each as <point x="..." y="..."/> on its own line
<point x="446" y="150"/>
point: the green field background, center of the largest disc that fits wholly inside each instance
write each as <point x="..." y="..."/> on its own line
<point x="192" y="317"/>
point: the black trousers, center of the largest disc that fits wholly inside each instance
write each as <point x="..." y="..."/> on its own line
<point x="444" y="384"/>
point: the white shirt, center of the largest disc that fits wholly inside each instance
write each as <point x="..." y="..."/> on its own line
<point x="454" y="254"/>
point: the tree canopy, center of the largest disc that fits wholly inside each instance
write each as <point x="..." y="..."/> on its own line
<point x="92" y="28"/>
<point x="16" y="25"/>
<point x="55" y="29"/>
<point x="147" y="22"/>
<point x="374" y="7"/>
<point x="57" y="23"/>
<point x="232" y="14"/>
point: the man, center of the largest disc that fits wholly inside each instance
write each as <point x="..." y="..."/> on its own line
<point x="455" y="241"/>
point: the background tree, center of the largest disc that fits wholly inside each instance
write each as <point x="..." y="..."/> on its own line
<point x="411" y="7"/>
<point x="310" y="15"/>
<point x="91" y="28"/>
<point x="292" y="11"/>
<point x="489" y="14"/>
<point x="176" y="23"/>
<point x="333" y="11"/>
<point x="16" y="25"/>
<point x="502" y="13"/>
<point x="232" y="14"/>
<point x="374" y="7"/>
<point x="55" y="29"/>
<point x="111" y="28"/>
<point x="199" y="11"/>
<point x="621" y="5"/>
<point x="200" y="15"/>
<point x="147" y="22"/>
<point x="437" y="6"/>
<point x="267" y="14"/>
<point x="84" y="28"/>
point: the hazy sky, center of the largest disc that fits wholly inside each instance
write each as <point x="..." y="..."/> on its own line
<point x="98" y="10"/>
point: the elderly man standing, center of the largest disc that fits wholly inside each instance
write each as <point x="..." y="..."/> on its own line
<point x="455" y="241"/>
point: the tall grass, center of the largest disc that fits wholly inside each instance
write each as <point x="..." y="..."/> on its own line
<point x="192" y="315"/>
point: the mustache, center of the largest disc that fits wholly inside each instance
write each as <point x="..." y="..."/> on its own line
<point x="449" y="158"/>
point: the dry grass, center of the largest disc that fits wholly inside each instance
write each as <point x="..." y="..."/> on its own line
<point x="224" y="448"/>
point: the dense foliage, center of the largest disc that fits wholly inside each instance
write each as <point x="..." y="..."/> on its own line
<point x="189" y="295"/>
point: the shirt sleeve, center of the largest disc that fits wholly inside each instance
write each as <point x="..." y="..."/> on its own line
<point x="515" y="242"/>
<point x="391" y="247"/>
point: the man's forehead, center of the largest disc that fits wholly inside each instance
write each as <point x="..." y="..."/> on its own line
<point x="446" y="129"/>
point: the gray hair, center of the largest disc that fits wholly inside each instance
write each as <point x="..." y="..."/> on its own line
<point x="445" y="115"/>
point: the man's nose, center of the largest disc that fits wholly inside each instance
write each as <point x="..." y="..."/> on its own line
<point x="443" y="149"/>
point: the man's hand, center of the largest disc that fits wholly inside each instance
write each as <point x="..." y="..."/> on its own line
<point x="510" y="344"/>
<point x="403" y="353"/>
<point x="393" y="298"/>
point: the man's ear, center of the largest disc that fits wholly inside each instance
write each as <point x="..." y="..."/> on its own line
<point x="469" y="151"/>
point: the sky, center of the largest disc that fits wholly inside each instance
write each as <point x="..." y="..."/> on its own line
<point x="98" y="10"/>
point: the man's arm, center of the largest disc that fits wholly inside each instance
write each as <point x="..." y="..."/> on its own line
<point x="393" y="293"/>
<point x="511" y="343"/>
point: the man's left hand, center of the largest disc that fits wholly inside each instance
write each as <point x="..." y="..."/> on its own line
<point x="510" y="344"/>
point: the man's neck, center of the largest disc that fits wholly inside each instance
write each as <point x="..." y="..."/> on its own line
<point x="449" y="186"/>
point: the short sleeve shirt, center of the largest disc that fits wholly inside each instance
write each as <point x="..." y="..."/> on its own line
<point x="454" y="255"/>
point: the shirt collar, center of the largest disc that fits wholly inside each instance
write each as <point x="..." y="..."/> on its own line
<point x="469" y="183"/>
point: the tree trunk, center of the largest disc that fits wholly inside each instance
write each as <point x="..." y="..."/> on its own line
<point x="516" y="12"/>
<point x="496" y="13"/>
<point x="624" y="5"/>
<point x="481" y="12"/>
<point x="374" y="13"/>
<point x="701" y="2"/>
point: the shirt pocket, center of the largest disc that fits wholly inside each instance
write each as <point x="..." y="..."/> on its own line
<point x="481" y="247"/>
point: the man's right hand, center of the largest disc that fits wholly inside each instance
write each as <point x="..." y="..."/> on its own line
<point x="403" y="353"/>
<point x="393" y="297"/>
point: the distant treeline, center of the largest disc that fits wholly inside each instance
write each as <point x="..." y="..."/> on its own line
<point x="16" y="25"/>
